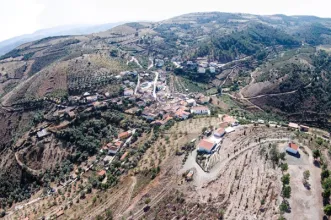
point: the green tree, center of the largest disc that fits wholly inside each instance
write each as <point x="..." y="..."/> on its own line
<point x="326" y="184"/>
<point x="284" y="167"/>
<point x="316" y="154"/>
<point x="306" y="175"/>
<point x="325" y="174"/>
<point x="286" y="192"/>
<point x="109" y="214"/>
<point x="286" y="179"/>
<point x="284" y="206"/>
<point x="274" y="154"/>
<point x="327" y="210"/>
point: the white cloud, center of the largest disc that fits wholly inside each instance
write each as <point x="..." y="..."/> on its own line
<point x="25" y="16"/>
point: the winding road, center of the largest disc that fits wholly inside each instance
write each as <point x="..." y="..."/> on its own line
<point x="155" y="81"/>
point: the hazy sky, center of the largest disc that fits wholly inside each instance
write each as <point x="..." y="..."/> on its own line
<point x="19" y="17"/>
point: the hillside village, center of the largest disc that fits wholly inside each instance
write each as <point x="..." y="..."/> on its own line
<point x="145" y="94"/>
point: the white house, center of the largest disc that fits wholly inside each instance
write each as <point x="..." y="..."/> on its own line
<point x="219" y="132"/>
<point x="92" y="98"/>
<point x="191" y="102"/>
<point x="128" y="92"/>
<point x="229" y="129"/>
<point x="201" y="70"/>
<point x="292" y="148"/>
<point x="212" y="69"/>
<point x="200" y="110"/>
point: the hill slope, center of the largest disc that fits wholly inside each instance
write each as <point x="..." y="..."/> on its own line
<point x="270" y="62"/>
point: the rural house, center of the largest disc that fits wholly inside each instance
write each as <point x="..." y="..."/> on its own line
<point x="200" y="110"/>
<point x="293" y="126"/>
<point x="124" y="135"/>
<point x="206" y="146"/>
<point x="201" y="70"/>
<point x="180" y="113"/>
<point x="219" y="132"/>
<point x="304" y="128"/>
<point x="128" y="92"/>
<point x="292" y="148"/>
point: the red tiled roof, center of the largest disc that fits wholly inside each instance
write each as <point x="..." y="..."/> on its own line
<point x="223" y="125"/>
<point x="220" y="130"/>
<point x="293" y="146"/>
<point x="181" y="112"/>
<point x="123" y="134"/>
<point x="118" y="143"/>
<point x="206" y="144"/>
<point x="228" y="119"/>
<point x="200" y="108"/>
<point x="101" y="173"/>
<point x="124" y="155"/>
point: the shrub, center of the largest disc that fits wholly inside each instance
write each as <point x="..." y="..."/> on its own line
<point x="286" y="179"/>
<point x="286" y="192"/>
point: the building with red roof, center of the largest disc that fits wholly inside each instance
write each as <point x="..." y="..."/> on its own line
<point x="219" y="132"/>
<point x="206" y="146"/>
<point x="292" y="148"/>
<point x="102" y="173"/>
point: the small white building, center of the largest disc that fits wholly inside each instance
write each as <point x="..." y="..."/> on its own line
<point x="229" y="130"/>
<point x="92" y="98"/>
<point x="212" y="69"/>
<point x="128" y="92"/>
<point x="191" y="102"/>
<point x="200" y="110"/>
<point x="293" y="125"/>
<point x="201" y="70"/>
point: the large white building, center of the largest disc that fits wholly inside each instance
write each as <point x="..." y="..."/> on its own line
<point x="200" y="110"/>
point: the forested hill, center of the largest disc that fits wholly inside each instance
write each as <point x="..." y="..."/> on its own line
<point x="247" y="42"/>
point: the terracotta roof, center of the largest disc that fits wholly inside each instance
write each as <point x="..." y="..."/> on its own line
<point x="228" y="119"/>
<point x="118" y="143"/>
<point x="124" y="155"/>
<point x="224" y="125"/>
<point x="200" y="108"/>
<point x="206" y="144"/>
<point x="181" y="112"/>
<point x="101" y="173"/>
<point x="220" y="130"/>
<point x="293" y="146"/>
<point x="123" y="134"/>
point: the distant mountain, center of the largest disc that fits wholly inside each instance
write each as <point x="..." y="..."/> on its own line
<point x="10" y="44"/>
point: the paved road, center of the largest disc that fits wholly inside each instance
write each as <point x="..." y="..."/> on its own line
<point x="155" y="81"/>
<point x="152" y="63"/>
<point x="138" y="84"/>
